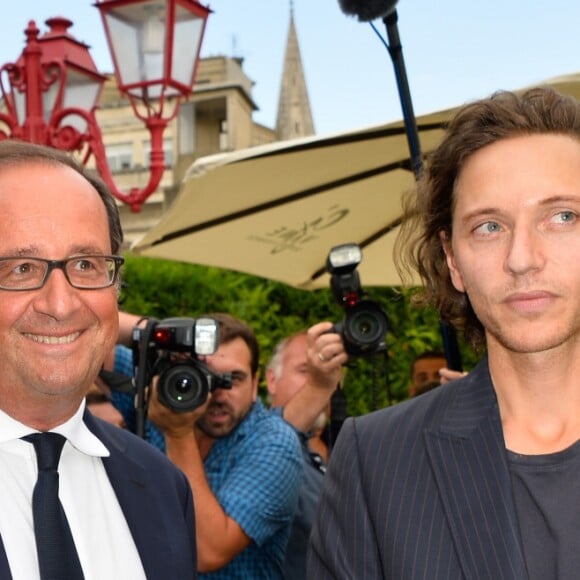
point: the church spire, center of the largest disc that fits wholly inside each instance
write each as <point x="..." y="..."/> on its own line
<point x="294" y="115"/>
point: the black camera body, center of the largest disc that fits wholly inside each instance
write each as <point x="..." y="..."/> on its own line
<point x="170" y="349"/>
<point x="365" y="324"/>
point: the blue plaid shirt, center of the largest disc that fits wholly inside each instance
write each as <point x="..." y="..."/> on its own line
<point x="255" y="474"/>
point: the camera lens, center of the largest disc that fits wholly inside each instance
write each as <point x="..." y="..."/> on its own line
<point x="182" y="387"/>
<point x="365" y="327"/>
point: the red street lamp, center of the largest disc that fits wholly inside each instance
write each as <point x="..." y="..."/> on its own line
<point x="54" y="86"/>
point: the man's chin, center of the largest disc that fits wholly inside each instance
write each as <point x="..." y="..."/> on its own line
<point x="216" y="430"/>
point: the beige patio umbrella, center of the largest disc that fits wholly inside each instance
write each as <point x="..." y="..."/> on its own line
<point x="276" y="210"/>
<point x="567" y="84"/>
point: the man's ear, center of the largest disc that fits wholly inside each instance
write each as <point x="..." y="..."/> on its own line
<point x="454" y="272"/>
<point x="271" y="381"/>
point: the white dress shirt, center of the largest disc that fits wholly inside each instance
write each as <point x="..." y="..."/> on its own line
<point x="102" y="537"/>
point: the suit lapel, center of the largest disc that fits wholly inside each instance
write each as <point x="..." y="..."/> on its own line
<point x="136" y="495"/>
<point x="468" y="458"/>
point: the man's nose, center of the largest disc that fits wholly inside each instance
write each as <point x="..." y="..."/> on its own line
<point x="218" y="394"/>
<point x="525" y="251"/>
<point x="57" y="297"/>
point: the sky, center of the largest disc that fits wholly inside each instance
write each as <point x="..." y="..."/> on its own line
<point x="454" y="50"/>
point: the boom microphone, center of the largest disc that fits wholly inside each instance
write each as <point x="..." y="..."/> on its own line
<point x="367" y="10"/>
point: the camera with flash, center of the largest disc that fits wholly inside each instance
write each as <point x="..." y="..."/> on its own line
<point x="170" y="349"/>
<point x="365" y="324"/>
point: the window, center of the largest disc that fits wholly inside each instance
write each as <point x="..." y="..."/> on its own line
<point x="120" y="157"/>
<point x="186" y="129"/>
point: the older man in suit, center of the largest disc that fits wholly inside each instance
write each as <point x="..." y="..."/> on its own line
<point x="478" y="479"/>
<point x="128" y="512"/>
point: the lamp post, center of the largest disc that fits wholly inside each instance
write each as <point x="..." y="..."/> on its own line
<point x="52" y="90"/>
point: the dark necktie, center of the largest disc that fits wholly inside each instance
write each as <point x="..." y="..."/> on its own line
<point x="57" y="555"/>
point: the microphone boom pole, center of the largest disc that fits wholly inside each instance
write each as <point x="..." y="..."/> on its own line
<point x="396" y="51"/>
<point x="449" y="335"/>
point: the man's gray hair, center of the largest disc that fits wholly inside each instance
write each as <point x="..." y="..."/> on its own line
<point x="275" y="363"/>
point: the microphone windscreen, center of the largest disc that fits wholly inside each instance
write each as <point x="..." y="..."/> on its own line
<point x="367" y="10"/>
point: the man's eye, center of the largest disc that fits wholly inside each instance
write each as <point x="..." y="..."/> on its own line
<point x="23" y="268"/>
<point x="83" y="265"/>
<point x="565" y="217"/>
<point x="238" y="378"/>
<point x="488" y="228"/>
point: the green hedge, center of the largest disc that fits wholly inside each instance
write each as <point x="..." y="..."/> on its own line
<point x="161" y="288"/>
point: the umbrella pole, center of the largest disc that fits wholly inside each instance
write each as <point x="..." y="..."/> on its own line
<point x="448" y="333"/>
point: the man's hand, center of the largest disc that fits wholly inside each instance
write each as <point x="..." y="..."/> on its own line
<point x="446" y="375"/>
<point x="326" y="356"/>
<point x="173" y="424"/>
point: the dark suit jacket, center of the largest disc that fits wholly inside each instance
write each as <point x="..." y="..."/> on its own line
<point x="157" y="502"/>
<point x="421" y="490"/>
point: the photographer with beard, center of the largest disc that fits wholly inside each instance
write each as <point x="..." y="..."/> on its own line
<point x="243" y="462"/>
<point x="304" y="374"/>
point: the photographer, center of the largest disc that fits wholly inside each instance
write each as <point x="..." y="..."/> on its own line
<point x="243" y="463"/>
<point x="303" y="373"/>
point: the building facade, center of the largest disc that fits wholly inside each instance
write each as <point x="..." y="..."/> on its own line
<point x="216" y="118"/>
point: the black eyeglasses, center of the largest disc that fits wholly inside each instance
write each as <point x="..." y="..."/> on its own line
<point x="82" y="272"/>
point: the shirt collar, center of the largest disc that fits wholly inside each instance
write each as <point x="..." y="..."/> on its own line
<point x="75" y="430"/>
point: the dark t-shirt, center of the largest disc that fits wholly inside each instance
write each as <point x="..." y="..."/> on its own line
<point x="547" y="495"/>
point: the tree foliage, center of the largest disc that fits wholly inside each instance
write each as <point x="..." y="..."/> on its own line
<point x="162" y="289"/>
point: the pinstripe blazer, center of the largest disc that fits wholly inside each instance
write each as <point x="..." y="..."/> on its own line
<point x="421" y="490"/>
